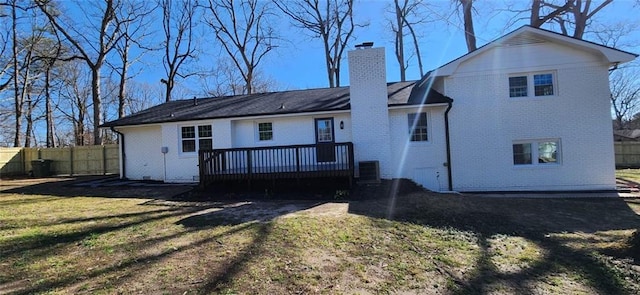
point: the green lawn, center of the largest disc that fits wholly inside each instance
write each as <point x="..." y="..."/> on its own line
<point x="425" y="243"/>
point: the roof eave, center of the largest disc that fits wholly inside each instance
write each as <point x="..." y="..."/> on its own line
<point x="337" y="110"/>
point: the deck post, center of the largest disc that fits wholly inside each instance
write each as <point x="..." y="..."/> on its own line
<point x="249" y="163"/>
<point x="298" y="159"/>
<point x="201" y="168"/>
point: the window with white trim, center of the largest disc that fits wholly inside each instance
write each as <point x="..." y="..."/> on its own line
<point x="265" y="131"/>
<point x="192" y="141"/>
<point x="417" y="127"/>
<point x="538" y="152"/>
<point x="539" y="84"/>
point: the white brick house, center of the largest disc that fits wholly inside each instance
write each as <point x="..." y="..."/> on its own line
<point x="527" y="112"/>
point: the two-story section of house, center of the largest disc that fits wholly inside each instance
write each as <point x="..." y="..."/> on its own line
<point x="532" y="112"/>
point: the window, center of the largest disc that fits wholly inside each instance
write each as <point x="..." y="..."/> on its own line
<point x="192" y="141"/>
<point x="541" y="152"/>
<point x="324" y="130"/>
<point x="543" y="84"/>
<point x="522" y="153"/>
<point x="418" y="126"/>
<point x="265" y="131"/>
<point x="519" y="86"/>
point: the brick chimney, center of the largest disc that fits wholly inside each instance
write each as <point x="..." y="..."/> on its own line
<point x="369" y="106"/>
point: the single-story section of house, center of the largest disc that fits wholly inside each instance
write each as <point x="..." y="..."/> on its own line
<point x="528" y="111"/>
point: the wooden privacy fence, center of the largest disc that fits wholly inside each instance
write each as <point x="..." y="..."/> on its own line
<point x="627" y="154"/>
<point x="86" y="160"/>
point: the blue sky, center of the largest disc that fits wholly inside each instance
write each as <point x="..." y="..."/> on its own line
<point x="301" y="64"/>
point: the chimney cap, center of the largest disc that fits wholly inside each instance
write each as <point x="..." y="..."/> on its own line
<point x="364" y="45"/>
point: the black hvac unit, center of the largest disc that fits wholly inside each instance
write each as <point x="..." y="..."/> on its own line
<point x="369" y="172"/>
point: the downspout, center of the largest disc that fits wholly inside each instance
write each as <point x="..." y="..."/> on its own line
<point x="446" y="131"/>
<point x="124" y="157"/>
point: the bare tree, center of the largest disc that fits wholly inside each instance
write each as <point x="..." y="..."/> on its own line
<point x="18" y="97"/>
<point x="76" y="95"/>
<point x="177" y="23"/>
<point x="141" y="96"/>
<point x="616" y="35"/>
<point x="331" y="21"/>
<point x="134" y="33"/>
<point x="582" y="13"/>
<point x="49" y="55"/>
<point x="6" y="61"/>
<point x="92" y="51"/>
<point x="571" y="16"/>
<point x="543" y="11"/>
<point x="625" y="94"/>
<point x="624" y="81"/>
<point x="39" y="58"/>
<point x="227" y="81"/>
<point x="407" y="15"/>
<point x="245" y="34"/>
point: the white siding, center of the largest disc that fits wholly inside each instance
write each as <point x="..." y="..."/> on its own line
<point x="288" y="130"/>
<point x="143" y="144"/>
<point x="526" y="58"/>
<point x="485" y="121"/>
<point x="222" y="133"/>
<point x="423" y="162"/>
<point x="142" y="152"/>
<point x="181" y="167"/>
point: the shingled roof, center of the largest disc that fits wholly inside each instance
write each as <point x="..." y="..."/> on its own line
<point x="272" y="103"/>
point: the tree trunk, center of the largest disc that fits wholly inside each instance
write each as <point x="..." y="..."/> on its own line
<point x="534" y="19"/>
<point x="49" y="111"/>
<point x="123" y="80"/>
<point x="97" y="104"/>
<point x="80" y="129"/>
<point x="29" y="117"/>
<point x="18" y="100"/>
<point x="469" y="33"/>
<point x="417" y="48"/>
<point x="168" y="87"/>
<point x="327" y="56"/>
<point x="249" y="80"/>
<point x="336" y="72"/>
<point x="400" y="41"/>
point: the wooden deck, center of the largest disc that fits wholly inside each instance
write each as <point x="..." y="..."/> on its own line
<point x="277" y="162"/>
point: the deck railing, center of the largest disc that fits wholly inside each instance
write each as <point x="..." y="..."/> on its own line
<point x="277" y="162"/>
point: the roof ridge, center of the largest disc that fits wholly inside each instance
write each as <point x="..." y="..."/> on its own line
<point x="281" y="91"/>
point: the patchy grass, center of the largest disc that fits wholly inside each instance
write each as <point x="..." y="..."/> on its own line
<point x="633" y="242"/>
<point x="425" y="243"/>
<point x="629" y="174"/>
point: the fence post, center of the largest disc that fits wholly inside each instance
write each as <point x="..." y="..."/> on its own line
<point x="23" y="160"/>
<point x="623" y="147"/>
<point x="104" y="160"/>
<point x="71" y="161"/>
